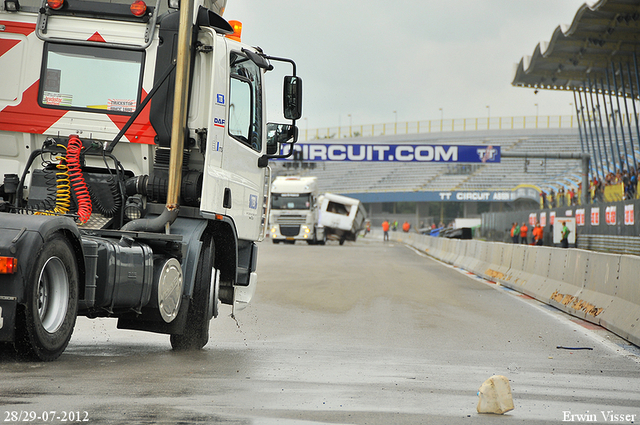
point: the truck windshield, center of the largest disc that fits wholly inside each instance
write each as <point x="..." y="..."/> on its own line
<point x="82" y="77"/>
<point x="290" y="201"/>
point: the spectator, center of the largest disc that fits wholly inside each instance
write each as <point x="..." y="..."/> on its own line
<point x="523" y="233"/>
<point x="625" y="183"/>
<point x="537" y="233"/>
<point x="385" y="229"/>
<point x="543" y="197"/>
<point x="599" y="191"/>
<point x="561" y="197"/>
<point x="564" y="241"/>
<point x="572" y="196"/>
<point x="552" y="198"/>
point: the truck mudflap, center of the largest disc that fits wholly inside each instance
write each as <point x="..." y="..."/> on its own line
<point x="7" y="318"/>
<point x="242" y="295"/>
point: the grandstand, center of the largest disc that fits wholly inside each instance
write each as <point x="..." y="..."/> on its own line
<point x="382" y="178"/>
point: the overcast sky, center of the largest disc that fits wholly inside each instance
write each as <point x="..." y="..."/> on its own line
<point x="370" y="58"/>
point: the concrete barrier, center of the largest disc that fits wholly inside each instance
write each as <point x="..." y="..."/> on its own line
<point x="600" y="285"/>
<point x="466" y="254"/>
<point x="478" y="257"/>
<point x="623" y="315"/>
<point x="520" y="272"/>
<point x="456" y="248"/>
<point x="499" y="261"/>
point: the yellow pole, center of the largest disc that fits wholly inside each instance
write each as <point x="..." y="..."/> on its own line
<point x="178" y="126"/>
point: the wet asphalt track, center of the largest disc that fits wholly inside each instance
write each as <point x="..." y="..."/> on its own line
<point x="364" y="333"/>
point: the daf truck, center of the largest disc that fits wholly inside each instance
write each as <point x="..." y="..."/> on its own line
<point x="134" y="148"/>
<point x="294" y="210"/>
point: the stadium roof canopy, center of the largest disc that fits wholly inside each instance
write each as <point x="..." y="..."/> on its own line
<point x="602" y="41"/>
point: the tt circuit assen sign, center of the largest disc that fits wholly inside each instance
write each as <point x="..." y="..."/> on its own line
<point x="397" y="153"/>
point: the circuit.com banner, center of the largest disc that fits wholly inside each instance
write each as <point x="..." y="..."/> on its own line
<point x="396" y="153"/>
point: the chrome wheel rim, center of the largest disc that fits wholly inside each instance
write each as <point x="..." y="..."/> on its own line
<point x="52" y="294"/>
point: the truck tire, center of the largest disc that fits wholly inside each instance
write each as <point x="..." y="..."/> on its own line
<point x="45" y="322"/>
<point x="203" y="303"/>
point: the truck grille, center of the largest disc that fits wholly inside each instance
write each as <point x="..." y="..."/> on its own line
<point x="291" y="219"/>
<point x="289" y="230"/>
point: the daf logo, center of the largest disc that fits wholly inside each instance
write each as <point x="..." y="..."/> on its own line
<point x="488" y="154"/>
<point x="253" y="202"/>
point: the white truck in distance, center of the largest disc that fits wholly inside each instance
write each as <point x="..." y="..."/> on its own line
<point x="341" y="218"/>
<point x="294" y="210"/>
<point x="135" y="148"/>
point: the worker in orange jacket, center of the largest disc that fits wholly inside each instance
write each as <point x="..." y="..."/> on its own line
<point x="406" y="226"/>
<point x="523" y="233"/>
<point x="538" y="233"/>
<point x="385" y="229"/>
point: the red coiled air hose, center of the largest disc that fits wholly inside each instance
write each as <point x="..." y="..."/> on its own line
<point x="77" y="179"/>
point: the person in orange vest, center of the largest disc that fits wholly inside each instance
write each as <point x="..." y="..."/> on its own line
<point x="385" y="229"/>
<point x="406" y="226"/>
<point x="523" y="233"/>
<point x="537" y="233"/>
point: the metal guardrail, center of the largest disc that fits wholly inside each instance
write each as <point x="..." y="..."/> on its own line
<point x="610" y="244"/>
<point x="438" y="126"/>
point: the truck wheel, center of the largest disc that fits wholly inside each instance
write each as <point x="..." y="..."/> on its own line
<point x="203" y="303"/>
<point x="45" y="323"/>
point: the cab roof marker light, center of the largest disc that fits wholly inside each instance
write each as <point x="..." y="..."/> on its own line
<point x="237" y="30"/>
<point x="8" y="265"/>
<point x="55" y="4"/>
<point x="138" y="8"/>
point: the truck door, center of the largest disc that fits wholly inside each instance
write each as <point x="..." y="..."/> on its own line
<point x="243" y="145"/>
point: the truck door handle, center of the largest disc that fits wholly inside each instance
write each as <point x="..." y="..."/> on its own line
<point x="226" y="201"/>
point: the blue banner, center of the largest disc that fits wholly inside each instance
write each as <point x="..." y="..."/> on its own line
<point x="396" y="153"/>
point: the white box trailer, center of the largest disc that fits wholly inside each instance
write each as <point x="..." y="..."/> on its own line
<point x="341" y="217"/>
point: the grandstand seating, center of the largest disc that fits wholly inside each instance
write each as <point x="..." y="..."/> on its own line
<point x="371" y="177"/>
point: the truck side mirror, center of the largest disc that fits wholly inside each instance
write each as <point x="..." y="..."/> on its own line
<point x="280" y="133"/>
<point x="292" y="99"/>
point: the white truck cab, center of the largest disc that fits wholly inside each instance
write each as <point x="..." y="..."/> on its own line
<point x="135" y="148"/>
<point x="294" y="210"/>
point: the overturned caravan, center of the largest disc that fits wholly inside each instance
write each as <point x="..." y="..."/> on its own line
<point x="341" y="217"/>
